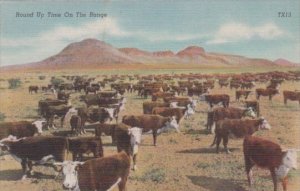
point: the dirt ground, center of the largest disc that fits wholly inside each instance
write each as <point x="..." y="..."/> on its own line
<point x="180" y="162"/>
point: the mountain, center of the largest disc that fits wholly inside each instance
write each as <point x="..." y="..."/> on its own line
<point x="92" y="53"/>
<point x="284" y="62"/>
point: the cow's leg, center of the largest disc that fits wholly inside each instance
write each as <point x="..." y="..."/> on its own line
<point x="134" y="159"/>
<point x="249" y="164"/>
<point x="225" y="143"/>
<point x="219" y="138"/>
<point x="74" y="156"/>
<point x="284" y="183"/>
<point x="30" y="168"/>
<point x="62" y="121"/>
<point x="154" y="133"/>
<point x="274" y="178"/>
<point x="122" y="184"/>
<point x="24" y="168"/>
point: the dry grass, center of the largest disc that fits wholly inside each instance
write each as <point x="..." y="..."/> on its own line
<point x="181" y="161"/>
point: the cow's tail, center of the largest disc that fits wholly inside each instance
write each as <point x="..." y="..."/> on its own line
<point x="67" y="149"/>
<point x="214" y="141"/>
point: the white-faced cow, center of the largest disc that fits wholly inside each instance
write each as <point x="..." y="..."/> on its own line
<point x="97" y="174"/>
<point x="37" y="150"/>
<point x="154" y="123"/>
<point x="268" y="155"/>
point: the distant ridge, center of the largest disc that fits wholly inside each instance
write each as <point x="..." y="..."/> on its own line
<point x="93" y="53"/>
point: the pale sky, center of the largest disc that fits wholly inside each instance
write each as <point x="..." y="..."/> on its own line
<point x="248" y="28"/>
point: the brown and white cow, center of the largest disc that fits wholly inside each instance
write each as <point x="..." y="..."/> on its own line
<point x="154" y="123"/>
<point x="237" y="128"/>
<point x="21" y="128"/>
<point x="291" y="95"/>
<point x="97" y="174"/>
<point x="159" y="94"/>
<point x="148" y="106"/>
<point x="266" y="92"/>
<point x="125" y="137"/>
<point x="37" y="150"/>
<point x="268" y="155"/>
<point x="221" y="113"/>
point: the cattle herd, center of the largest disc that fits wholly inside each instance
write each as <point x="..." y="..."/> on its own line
<point x="173" y="98"/>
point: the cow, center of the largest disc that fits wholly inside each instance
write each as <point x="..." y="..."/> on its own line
<point x="33" y="89"/>
<point x="254" y="105"/>
<point x="94" y="115"/>
<point x="216" y="99"/>
<point x="178" y="112"/>
<point x="268" y="155"/>
<point x="291" y="95"/>
<point x="237" y="128"/>
<point x="154" y="123"/>
<point x="125" y="137"/>
<point x="97" y="174"/>
<point x="85" y="145"/>
<point x="266" y="92"/>
<point x="159" y="94"/>
<point x="181" y="101"/>
<point x="230" y="113"/>
<point x="62" y="95"/>
<point x="247" y="85"/>
<point x="44" y="104"/>
<point x="239" y="93"/>
<point x="148" y="106"/>
<point x="21" y="128"/>
<point x="59" y="111"/>
<point x="38" y="150"/>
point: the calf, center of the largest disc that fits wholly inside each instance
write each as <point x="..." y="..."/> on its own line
<point x="35" y="150"/>
<point x="239" y="93"/>
<point x="216" y="99"/>
<point x="237" y="128"/>
<point x="154" y="123"/>
<point x="21" y="128"/>
<point x="97" y="174"/>
<point x="85" y="145"/>
<point x="266" y="92"/>
<point x="269" y="155"/>
<point x="291" y="95"/>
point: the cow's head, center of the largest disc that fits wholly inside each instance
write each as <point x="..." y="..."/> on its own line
<point x="289" y="158"/>
<point x="172" y="123"/>
<point x="202" y="97"/>
<point x="135" y="138"/>
<point x="122" y="106"/>
<point x="264" y="124"/>
<point x="5" y="143"/>
<point x="189" y="111"/>
<point x="39" y="124"/>
<point x="194" y="103"/>
<point x="173" y="104"/>
<point x="110" y="112"/>
<point x="70" y="174"/>
<point x="249" y="112"/>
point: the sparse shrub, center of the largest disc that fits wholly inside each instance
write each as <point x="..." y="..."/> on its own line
<point x="2" y="116"/>
<point x="42" y="77"/>
<point x="155" y="175"/>
<point x="56" y="81"/>
<point x="14" y="83"/>
<point x="173" y="141"/>
<point x="201" y="165"/>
